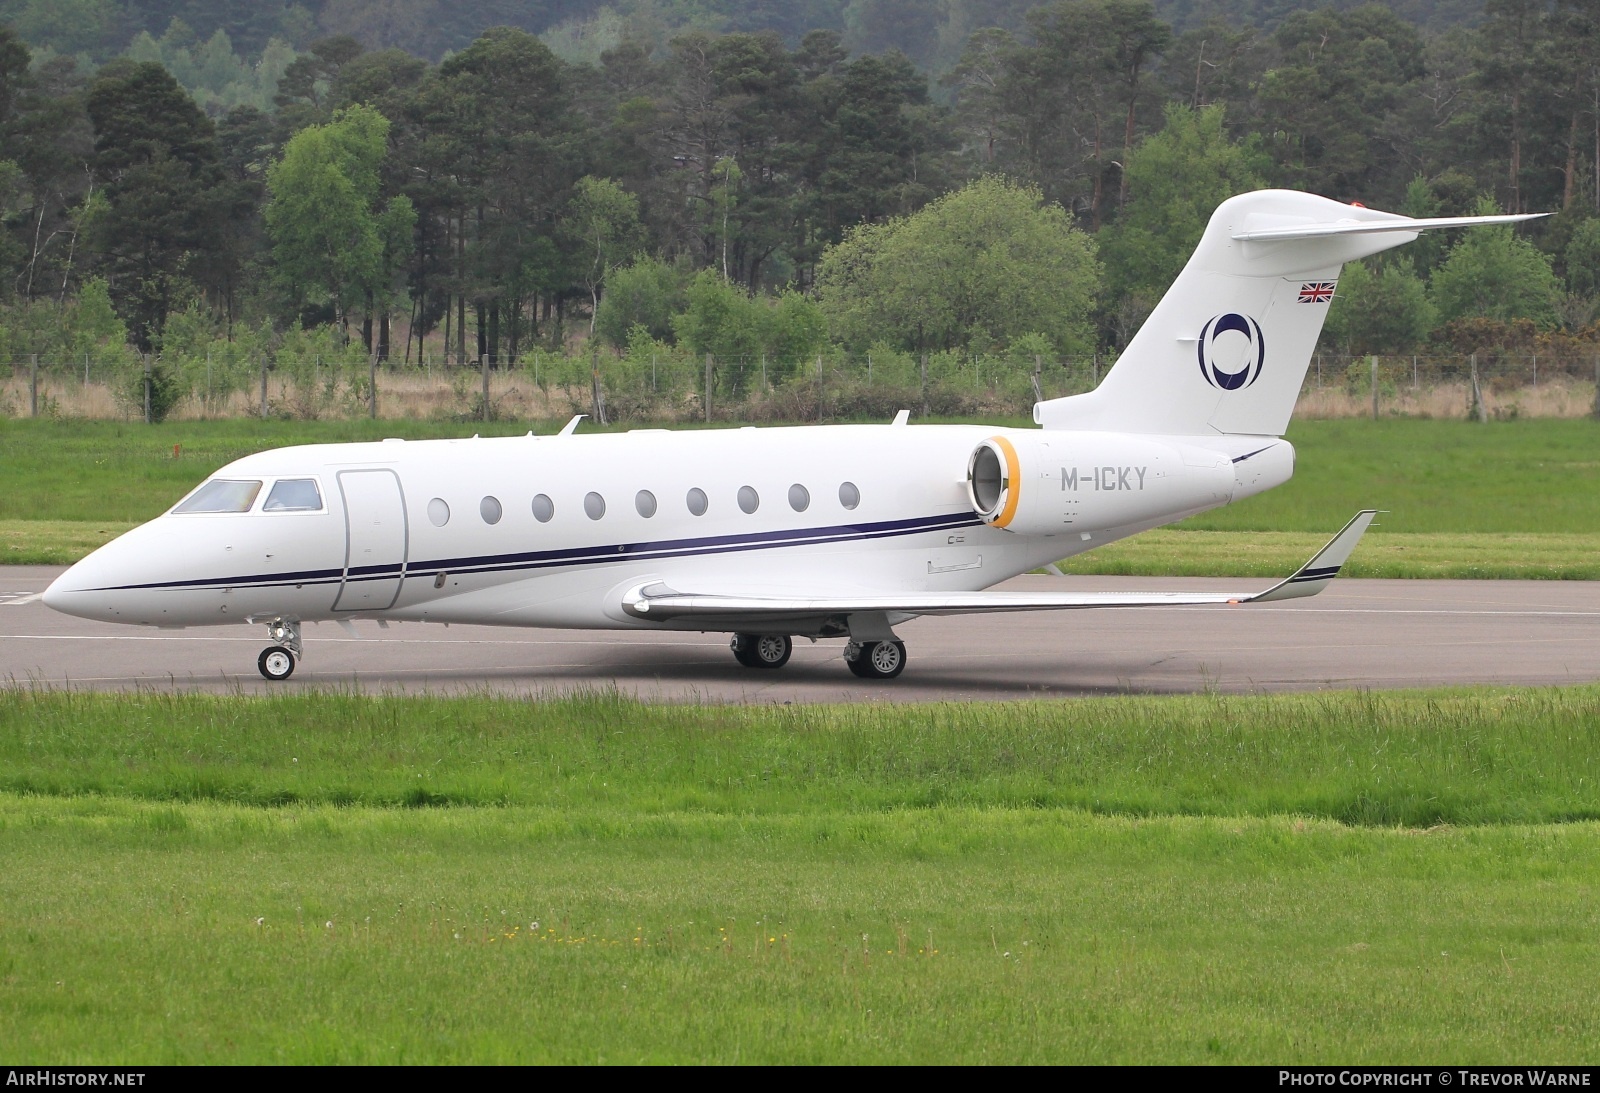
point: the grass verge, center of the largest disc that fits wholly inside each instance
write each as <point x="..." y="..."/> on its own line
<point x="1182" y="552"/>
<point x="340" y="877"/>
<point x="54" y="542"/>
<point x="1418" y="759"/>
<point x="137" y="932"/>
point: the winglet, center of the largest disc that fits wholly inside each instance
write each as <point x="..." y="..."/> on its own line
<point x="1324" y="566"/>
<point x="569" y="427"/>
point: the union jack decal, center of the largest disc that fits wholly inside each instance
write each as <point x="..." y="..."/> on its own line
<point x="1316" y="292"/>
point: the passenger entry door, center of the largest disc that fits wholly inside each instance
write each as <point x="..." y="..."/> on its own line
<point x="375" y="540"/>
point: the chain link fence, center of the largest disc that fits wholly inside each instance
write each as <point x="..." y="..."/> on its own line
<point x="670" y="384"/>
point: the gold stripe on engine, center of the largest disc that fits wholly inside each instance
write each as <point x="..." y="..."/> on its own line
<point x="1013" y="482"/>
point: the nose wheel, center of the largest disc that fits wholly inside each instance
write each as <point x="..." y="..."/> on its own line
<point x="277" y="660"/>
<point x="762" y="650"/>
<point x="875" y="659"/>
<point x="276" y="663"/>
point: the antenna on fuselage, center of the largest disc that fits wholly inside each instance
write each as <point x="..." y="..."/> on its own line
<point x="570" y="427"/>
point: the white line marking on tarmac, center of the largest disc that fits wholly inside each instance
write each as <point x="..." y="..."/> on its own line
<point x="17" y="599"/>
<point x="322" y="640"/>
<point x="1511" y="614"/>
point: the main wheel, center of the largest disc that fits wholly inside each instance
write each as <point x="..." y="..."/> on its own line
<point x="276" y="663"/>
<point x="878" y="659"/>
<point x="772" y="650"/>
<point x="762" y="650"/>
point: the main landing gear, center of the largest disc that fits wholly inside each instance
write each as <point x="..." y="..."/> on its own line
<point x="865" y="659"/>
<point x="875" y="659"/>
<point x="277" y="660"/>
<point x="762" y="650"/>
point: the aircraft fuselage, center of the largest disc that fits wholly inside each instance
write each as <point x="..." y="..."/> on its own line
<point x="553" y="531"/>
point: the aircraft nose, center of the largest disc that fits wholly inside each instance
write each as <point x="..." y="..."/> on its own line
<point x="65" y="593"/>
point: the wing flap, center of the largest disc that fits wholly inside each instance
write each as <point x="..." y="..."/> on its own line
<point x="659" y="603"/>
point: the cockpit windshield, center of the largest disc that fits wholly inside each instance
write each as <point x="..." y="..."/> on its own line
<point x="294" y="495"/>
<point x="222" y="495"/>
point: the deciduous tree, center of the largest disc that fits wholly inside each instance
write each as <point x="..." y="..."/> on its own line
<point x="974" y="269"/>
<point x="335" y="242"/>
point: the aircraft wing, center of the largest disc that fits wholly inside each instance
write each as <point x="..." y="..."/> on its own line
<point x="659" y="603"/>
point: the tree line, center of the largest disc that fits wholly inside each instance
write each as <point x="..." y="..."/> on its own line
<point x="748" y="196"/>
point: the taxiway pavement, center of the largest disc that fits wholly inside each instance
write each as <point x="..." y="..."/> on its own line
<point x="1362" y="634"/>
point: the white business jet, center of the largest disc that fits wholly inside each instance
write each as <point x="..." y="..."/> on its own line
<point x="834" y="531"/>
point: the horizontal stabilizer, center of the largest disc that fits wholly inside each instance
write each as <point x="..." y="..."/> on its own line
<point x="1371" y="227"/>
<point x="658" y="603"/>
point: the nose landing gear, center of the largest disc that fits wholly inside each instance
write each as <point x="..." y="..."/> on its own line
<point x="277" y="660"/>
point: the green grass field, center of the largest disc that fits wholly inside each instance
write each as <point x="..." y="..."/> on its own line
<point x="1512" y="499"/>
<point x="337" y="877"/>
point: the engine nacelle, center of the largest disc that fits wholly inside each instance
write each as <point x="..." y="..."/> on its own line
<point x="1052" y="483"/>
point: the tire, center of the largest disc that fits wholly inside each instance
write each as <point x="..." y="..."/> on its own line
<point x="276" y="663"/>
<point x="762" y="650"/>
<point x="879" y="660"/>
<point x="858" y="663"/>
<point x="771" y="650"/>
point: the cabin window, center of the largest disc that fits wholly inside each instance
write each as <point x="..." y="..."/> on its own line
<point x="594" y="505"/>
<point x="645" y="502"/>
<point x="697" y="502"/>
<point x="543" y="508"/>
<point x="489" y="508"/>
<point x="438" y="512"/>
<point x="749" y="499"/>
<point x="294" y="495"/>
<point x="222" y="495"/>
<point x="799" y="497"/>
<point x="849" y="496"/>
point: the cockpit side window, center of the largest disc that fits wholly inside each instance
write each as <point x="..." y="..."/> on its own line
<point x="222" y="495"/>
<point x="294" y="495"/>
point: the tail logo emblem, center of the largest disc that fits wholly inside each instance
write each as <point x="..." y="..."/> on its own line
<point x="1232" y="351"/>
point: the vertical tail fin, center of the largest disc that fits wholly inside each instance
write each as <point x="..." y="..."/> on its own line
<point x="1226" y="349"/>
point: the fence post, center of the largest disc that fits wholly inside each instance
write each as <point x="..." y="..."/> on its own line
<point x="1413" y="371"/>
<point x="1597" y="387"/>
<point x="1536" y="371"/>
<point x="708" y="388"/>
<point x="1479" y="411"/>
<point x="1038" y="370"/>
<point x="869" y="367"/>
<point x="1373" y="360"/>
<point x="208" y="381"/>
<point x="263" y="387"/>
<point x="925" y="386"/>
<point x="33" y="388"/>
<point x="86" y="369"/>
<point x="483" y="361"/>
<point x="372" y="385"/>
<point x="653" y="387"/>
<point x="146" y="357"/>
<point x="1319" y="371"/>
